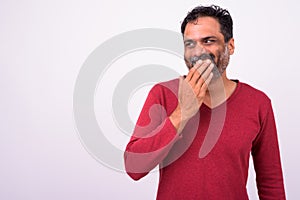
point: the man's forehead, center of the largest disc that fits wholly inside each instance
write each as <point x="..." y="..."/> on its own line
<point x="203" y="27"/>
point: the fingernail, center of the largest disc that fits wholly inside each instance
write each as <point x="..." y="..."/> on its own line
<point x="200" y="61"/>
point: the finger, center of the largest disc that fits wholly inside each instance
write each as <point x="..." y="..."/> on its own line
<point x="206" y="83"/>
<point x="193" y="70"/>
<point x="203" y="78"/>
<point x="204" y="86"/>
<point x="195" y="78"/>
<point x="190" y="74"/>
<point x="206" y="73"/>
<point x="202" y="68"/>
<point x="198" y="63"/>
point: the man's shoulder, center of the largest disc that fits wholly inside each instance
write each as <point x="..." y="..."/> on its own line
<point x="166" y="86"/>
<point x="253" y="90"/>
<point x="253" y="93"/>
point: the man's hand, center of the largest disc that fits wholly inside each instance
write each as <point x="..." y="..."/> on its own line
<point x="191" y="93"/>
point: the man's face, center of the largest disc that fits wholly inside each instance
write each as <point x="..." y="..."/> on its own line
<point x="204" y="36"/>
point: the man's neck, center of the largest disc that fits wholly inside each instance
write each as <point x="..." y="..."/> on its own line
<point x="219" y="90"/>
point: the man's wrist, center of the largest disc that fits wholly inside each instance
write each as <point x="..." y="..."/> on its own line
<point x="176" y="120"/>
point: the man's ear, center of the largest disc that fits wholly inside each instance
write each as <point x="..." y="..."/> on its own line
<point x="231" y="46"/>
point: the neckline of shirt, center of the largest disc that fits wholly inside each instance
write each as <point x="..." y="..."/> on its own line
<point x="228" y="100"/>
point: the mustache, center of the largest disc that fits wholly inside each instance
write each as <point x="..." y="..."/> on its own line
<point x="210" y="57"/>
<point x="203" y="56"/>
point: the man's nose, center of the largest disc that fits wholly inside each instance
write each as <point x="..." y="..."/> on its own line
<point x="199" y="50"/>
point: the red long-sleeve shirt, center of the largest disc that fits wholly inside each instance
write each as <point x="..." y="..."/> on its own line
<point x="210" y="158"/>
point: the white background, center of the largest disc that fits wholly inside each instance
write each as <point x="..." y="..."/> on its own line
<point x="42" y="47"/>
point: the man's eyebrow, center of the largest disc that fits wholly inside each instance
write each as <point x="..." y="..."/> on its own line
<point x="209" y="37"/>
<point x="188" y="40"/>
<point x="205" y="38"/>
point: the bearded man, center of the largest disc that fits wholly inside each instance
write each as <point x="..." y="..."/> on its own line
<point x="202" y="127"/>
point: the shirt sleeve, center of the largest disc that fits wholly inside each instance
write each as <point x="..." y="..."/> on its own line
<point x="152" y="139"/>
<point x="266" y="159"/>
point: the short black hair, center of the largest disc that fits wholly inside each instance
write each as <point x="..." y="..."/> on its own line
<point x="220" y="14"/>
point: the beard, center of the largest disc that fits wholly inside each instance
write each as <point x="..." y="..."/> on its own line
<point x="223" y="60"/>
<point x="220" y="64"/>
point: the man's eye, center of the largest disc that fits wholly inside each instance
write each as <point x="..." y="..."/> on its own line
<point x="189" y="44"/>
<point x="209" y="41"/>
